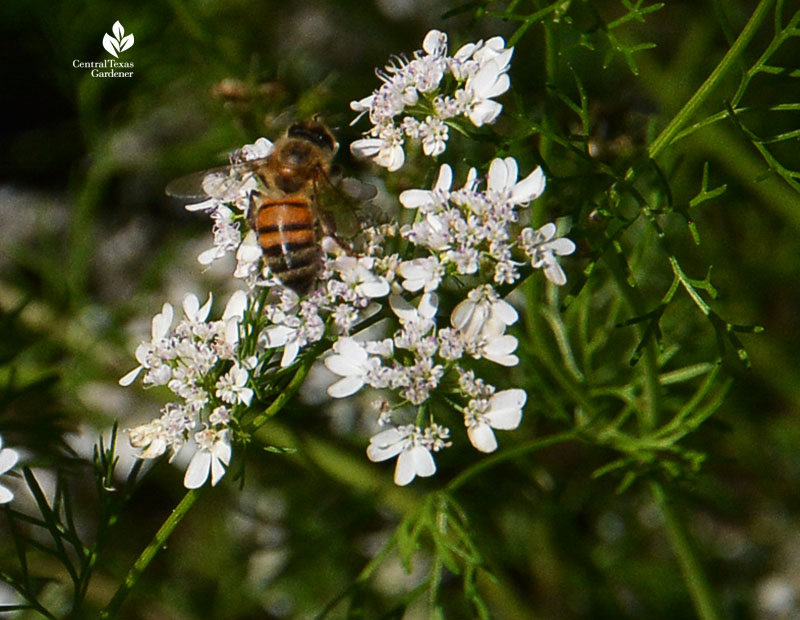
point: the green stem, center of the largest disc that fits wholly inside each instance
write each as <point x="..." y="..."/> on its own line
<point x="685" y="114"/>
<point x="142" y="562"/>
<point x="696" y="581"/>
<point x="160" y="539"/>
<point x="699" y="589"/>
<point x="507" y="455"/>
<point x="551" y="70"/>
<point x="284" y="397"/>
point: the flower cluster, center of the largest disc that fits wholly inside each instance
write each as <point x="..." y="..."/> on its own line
<point x="465" y="228"/>
<point x="198" y="361"/>
<point x="463" y="233"/>
<point x="420" y="97"/>
<point x="422" y="359"/>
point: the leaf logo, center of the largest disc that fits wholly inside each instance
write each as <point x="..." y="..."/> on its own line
<point x="119" y="42"/>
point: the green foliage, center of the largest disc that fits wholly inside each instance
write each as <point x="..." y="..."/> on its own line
<point x="662" y="380"/>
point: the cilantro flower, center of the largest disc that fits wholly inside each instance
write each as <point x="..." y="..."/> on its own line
<point x="407" y="443"/>
<point x="350" y="361"/>
<point x="411" y="85"/>
<point x="503" y="411"/>
<point x="150" y="356"/>
<point x="542" y="247"/>
<point x="212" y="457"/>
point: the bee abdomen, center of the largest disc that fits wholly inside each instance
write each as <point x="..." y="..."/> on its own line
<point x="286" y="234"/>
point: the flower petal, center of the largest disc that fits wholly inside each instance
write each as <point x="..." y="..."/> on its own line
<point x="405" y="470"/>
<point x="385" y="445"/>
<point x="428" y="305"/>
<point x="424" y="464"/>
<point x="497" y="179"/>
<point x="445" y="178"/>
<point x="290" y="352"/>
<point x="530" y="188"/>
<point x="197" y="472"/>
<point x="130" y="377"/>
<point x="505" y="409"/>
<point x="162" y="322"/>
<point x="485" y="112"/>
<point x="482" y="437"/>
<point x="562" y="246"/>
<point x="554" y="272"/>
<point x="499" y="351"/>
<point x="504" y="312"/>
<point x="415" y="198"/>
<point x="345" y="387"/>
<point x="378" y="287"/>
<point x="8" y="458"/>
<point x="190" y="306"/>
<point x="6" y="495"/>
<point x="236" y="306"/>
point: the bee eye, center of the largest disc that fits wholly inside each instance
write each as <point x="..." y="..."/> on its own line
<point x="314" y="134"/>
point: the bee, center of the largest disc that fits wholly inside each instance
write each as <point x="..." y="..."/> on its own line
<point x="284" y="208"/>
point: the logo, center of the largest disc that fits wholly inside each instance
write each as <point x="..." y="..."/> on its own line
<point x="119" y="42"/>
<point x="113" y="45"/>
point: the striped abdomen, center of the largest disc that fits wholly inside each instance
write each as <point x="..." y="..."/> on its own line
<point x="285" y="228"/>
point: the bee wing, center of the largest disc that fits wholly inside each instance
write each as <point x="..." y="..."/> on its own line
<point x="224" y="183"/>
<point x="344" y="202"/>
<point x="358" y="190"/>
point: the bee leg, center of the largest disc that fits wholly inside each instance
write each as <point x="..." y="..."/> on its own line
<point x="252" y="211"/>
<point x="327" y="226"/>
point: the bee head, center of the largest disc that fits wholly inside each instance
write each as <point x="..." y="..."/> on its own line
<point x="316" y="133"/>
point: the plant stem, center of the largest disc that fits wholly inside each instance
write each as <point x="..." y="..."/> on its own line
<point x="704" y="601"/>
<point x="507" y="455"/>
<point x="142" y="562"/>
<point x="284" y="397"/>
<point x="160" y="539"/>
<point x="684" y="116"/>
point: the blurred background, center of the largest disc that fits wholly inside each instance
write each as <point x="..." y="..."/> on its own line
<point x="90" y="248"/>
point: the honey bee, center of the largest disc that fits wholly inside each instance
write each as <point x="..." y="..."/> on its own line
<point x="284" y="210"/>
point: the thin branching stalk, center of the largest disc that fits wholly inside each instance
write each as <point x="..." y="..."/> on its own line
<point x="729" y="60"/>
<point x="182" y="509"/>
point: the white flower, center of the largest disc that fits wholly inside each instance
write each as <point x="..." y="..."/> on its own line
<point x="434" y="135"/>
<point x="351" y="362"/>
<point x="248" y="257"/>
<point x="357" y="273"/>
<point x="482" y="313"/>
<point x="420" y="320"/>
<point x="8" y="458"/>
<point x="490" y="81"/>
<point x="284" y="336"/>
<point x="414" y="458"/>
<point x="435" y="43"/>
<point x="421" y="273"/>
<point x="542" y="249"/>
<point x="499" y="349"/>
<point x="480" y="72"/>
<point x="226" y="236"/>
<point x="231" y="386"/>
<point x="259" y="150"/>
<point x="213" y="456"/>
<point x="438" y="196"/>
<point x="151" y="438"/>
<point x="503" y="411"/>
<point x="160" y="326"/>
<point x="502" y="182"/>
<point x="192" y="310"/>
<point x="386" y="151"/>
